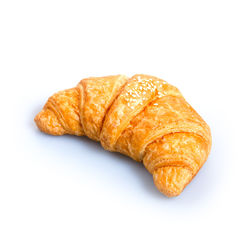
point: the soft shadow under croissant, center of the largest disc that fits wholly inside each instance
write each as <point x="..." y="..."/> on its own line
<point x="143" y="117"/>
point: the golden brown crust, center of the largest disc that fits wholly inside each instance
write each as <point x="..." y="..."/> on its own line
<point x="143" y="117"/>
<point x="62" y="114"/>
<point x="97" y="94"/>
<point x="171" y="180"/>
<point x="165" y="115"/>
<point x="139" y="91"/>
<point x="48" y="123"/>
<point x="182" y="150"/>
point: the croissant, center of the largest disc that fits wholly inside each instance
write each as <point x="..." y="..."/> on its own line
<point x="143" y="117"/>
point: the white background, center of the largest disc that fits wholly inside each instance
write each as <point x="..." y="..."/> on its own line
<point x="67" y="192"/>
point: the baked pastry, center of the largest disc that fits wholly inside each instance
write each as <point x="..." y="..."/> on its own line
<point x="143" y="117"/>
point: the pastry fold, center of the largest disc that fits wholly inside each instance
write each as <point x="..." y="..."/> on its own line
<point x="143" y="117"/>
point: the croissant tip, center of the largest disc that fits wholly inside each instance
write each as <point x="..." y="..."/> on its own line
<point x="48" y="123"/>
<point x="172" y="180"/>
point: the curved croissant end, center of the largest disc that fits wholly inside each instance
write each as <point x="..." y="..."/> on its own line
<point x="172" y="180"/>
<point x="60" y="115"/>
<point x="175" y="159"/>
<point x="48" y="123"/>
